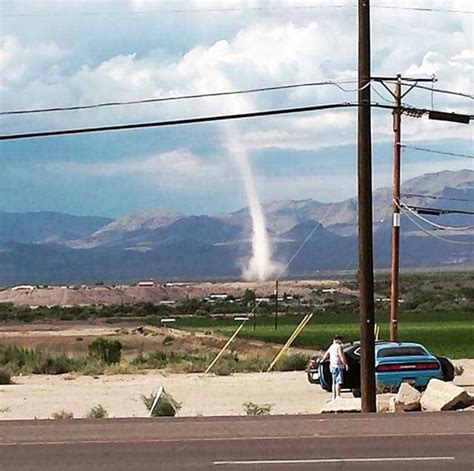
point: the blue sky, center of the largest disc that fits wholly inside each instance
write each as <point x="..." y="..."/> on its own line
<point x="58" y="53"/>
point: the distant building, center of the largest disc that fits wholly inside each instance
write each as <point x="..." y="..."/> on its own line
<point x="218" y="296"/>
<point x="23" y="288"/>
<point x="146" y="284"/>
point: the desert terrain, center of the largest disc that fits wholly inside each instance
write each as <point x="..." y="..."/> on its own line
<point x="40" y="396"/>
<point x="127" y="294"/>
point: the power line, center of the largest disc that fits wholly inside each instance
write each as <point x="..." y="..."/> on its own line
<point x="439" y="211"/>
<point x="175" y="122"/>
<point x="338" y="84"/>
<point x="425" y="9"/>
<point x="435" y="236"/>
<point x="413" y="211"/>
<point x="189" y="10"/>
<point x="233" y="9"/>
<point x="436" y="90"/>
<point x="433" y="151"/>
<point x="415" y="195"/>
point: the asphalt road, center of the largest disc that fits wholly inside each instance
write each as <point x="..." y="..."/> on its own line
<point x="357" y="442"/>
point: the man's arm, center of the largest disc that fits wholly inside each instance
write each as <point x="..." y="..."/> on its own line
<point x="342" y="357"/>
<point x="325" y="356"/>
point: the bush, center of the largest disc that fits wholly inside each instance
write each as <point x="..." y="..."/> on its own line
<point x="108" y="351"/>
<point x="97" y="412"/>
<point x="166" y="407"/>
<point x="5" y="377"/>
<point x="296" y="362"/>
<point x="62" y="414"/>
<point x="257" y="409"/>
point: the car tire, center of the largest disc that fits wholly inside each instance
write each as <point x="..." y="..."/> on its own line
<point x="356" y="392"/>
<point x="447" y="368"/>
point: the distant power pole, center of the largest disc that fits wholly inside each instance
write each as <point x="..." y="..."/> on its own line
<point x="364" y="174"/>
<point x="276" y="304"/>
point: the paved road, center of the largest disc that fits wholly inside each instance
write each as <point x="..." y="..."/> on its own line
<point x="358" y="442"/>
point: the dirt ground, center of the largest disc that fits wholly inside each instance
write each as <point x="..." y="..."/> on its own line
<point x="39" y="396"/>
<point x="75" y="336"/>
<point x="126" y="294"/>
<point x="201" y="395"/>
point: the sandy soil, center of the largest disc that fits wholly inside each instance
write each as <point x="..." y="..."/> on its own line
<point x="288" y="392"/>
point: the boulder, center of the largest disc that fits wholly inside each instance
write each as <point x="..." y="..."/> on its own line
<point x="440" y="395"/>
<point x="341" y="405"/>
<point x="407" y="399"/>
<point x="383" y="402"/>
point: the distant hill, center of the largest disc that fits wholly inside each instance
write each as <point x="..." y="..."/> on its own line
<point x="47" y="247"/>
<point x="34" y="227"/>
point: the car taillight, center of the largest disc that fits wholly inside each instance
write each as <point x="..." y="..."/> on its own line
<point x="427" y="365"/>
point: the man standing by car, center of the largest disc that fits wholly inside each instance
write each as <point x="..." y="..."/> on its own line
<point x="337" y="365"/>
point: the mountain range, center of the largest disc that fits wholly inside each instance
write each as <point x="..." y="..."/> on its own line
<point x="48" y="247"/>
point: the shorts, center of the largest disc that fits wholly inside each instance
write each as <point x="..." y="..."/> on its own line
<point x="337" y="375"/>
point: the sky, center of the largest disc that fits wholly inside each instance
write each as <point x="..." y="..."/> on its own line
<point x="66" y="53"/>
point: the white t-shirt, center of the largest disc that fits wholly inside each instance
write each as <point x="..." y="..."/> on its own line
<point x="334" y="359"/>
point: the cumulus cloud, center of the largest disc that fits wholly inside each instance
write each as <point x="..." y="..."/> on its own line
<point x="238" y="50"/>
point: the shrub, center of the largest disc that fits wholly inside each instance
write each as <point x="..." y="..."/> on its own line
<point x="5" y="377"/>
<point x="295" y="362"/>
<point x="108" y="351"/>
<point x="97" y="412"/>
<point x="62" y="414"/>
<point x="257" y="409"/>
<point x="167" y="406"/>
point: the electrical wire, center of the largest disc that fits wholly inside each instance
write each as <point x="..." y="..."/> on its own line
<point x="186" y="97"/>
<point x="435" y="90"/>
<point x="415" y="195"/>
<point x="425" y="9"/>
<point x="182" y="121"/>
<point x="435" y="236"/>
<point x="190" y="10"/>
<point x="438" y="226"/>
<point x="238" y="9"/>
<point x="433" y="151"/>
<point x="292" y="258"/>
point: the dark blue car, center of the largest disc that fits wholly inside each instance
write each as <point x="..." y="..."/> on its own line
<point x="395" y="363"/>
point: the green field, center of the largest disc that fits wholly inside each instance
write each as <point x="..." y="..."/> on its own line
<point x="443" y="333"/>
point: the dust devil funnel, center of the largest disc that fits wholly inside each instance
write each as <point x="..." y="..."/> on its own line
<point x="260" y="266"/>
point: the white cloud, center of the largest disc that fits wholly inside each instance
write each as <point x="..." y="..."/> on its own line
<point x="297" y="46"/>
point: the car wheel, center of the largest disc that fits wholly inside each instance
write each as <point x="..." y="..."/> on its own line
<point x="356" y="392"/>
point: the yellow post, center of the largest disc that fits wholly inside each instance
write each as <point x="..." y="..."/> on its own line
<point x="376" y="331"/>
<point x="224" y="348"/>
<point x="293" y="336"/>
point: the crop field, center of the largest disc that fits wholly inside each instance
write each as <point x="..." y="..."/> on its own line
<point x="449" y="333"/>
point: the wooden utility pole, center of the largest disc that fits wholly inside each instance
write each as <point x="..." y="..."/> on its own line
<point x="364" y="172"/>
<point x="397" y="142"/>
<point x="395" y="266"/>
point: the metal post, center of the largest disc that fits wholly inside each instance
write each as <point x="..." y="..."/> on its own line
<point x="364" y="170"/>
<point x="395" y="266"/>
<point x="276" y="304"/>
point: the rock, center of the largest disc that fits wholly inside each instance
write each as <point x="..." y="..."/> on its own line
<point x="383" y="402"/>
<point x="440" y="395"/>
<point x="341" y="405"/>
<point x="407" y="399"/>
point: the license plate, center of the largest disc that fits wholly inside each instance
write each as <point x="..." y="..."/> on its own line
<point x="315" y="376"/>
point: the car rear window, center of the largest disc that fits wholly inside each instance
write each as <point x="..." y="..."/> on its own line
<point x="400" y="352"/>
